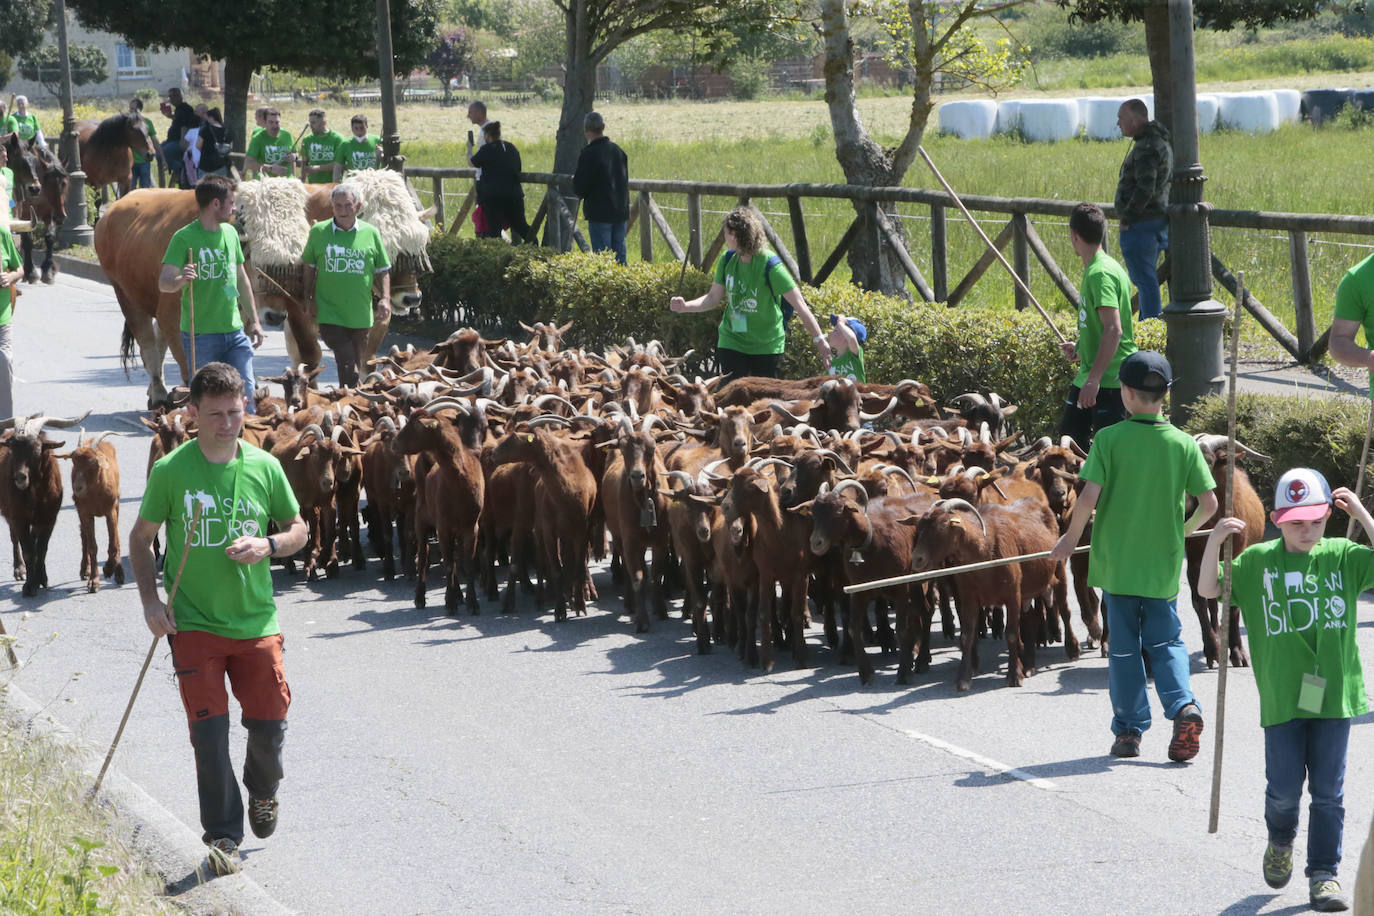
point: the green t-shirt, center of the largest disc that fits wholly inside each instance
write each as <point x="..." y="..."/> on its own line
<point x="1299" y="614"/>
<point x="9" y="260"/>
<point x="849" y="364"/>
<point x="270" y="150"/>
<point x="1355" y="299"/>
<point x="152" y="135"/>
<point x="345" y="264"/>
<point x="1145" y="467"/>
<point x="6" y="192"/>
<point x="1105" y="286"/>
<point x="24" y="125"/>
<point x="216" y="287"/>
<point x="254" y="135"/>
<point x="321" y="149"/>
<point x="358" y="154"/>
<point x="218" y="595"/>
<point x="752" y="322"/>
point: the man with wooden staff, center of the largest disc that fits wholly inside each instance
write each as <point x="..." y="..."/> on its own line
<point x="204" y="261"/>
<point x="1299" y="595"/>
<point x="1136" y="477"/>
<point x="224" y="622"/>
<point x="1355" y="309"/>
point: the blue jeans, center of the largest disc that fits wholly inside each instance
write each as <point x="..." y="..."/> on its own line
<point x="233" y="348"/>
<point x="143" y="175"/>
<point x="1141" y="244"/>
<point x="1314" y="748"/>
<point x="1153" y="623"/>
<point x="172" y="151"/>
<point x="605" y="236"/>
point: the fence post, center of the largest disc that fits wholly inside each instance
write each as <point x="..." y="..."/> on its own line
<point x="646" y="228"/>
<point x="1020" y="256"/>
<point x="554" y="228"/>
<point x="694" y="229"/>
<point x="1302" y="291"/>
<point x="439" y="213"/>
<point x="939" y="254"/>
<point x="799" y="239"/>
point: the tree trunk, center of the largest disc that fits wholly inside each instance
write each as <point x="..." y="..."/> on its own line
<point x="238" y="73"/>
<point x="579" y="92"/>
<point x="1157" y="44"/>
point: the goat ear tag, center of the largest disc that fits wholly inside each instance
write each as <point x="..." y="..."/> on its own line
<point x="528" y="437"/>
<point x="932" y="481"/>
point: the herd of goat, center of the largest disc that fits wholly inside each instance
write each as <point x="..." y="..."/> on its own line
<point x="752" y="496"/>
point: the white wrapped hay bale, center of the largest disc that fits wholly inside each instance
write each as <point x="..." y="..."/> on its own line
<point x="1008" y="113"/>
<point x="1098" y="116"/>
<point x="1252" y="112"/>
<point x="974" y="118"/>
<point x="1290" y="105"/>
<point x="1207" y="111"/>
<point x="1049" y="119"/>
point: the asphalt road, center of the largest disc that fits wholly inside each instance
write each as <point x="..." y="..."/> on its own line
<point x="498" y="764"/>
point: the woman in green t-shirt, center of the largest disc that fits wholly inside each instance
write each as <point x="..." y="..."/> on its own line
<point x="753" y="284"/>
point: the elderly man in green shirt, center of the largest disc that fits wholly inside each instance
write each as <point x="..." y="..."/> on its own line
<point x="319" y="149"/>
<point x="344" y="256"/>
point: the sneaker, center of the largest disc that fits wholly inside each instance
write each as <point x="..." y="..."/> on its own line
<point x="1278" y="865"/>
<point x="223" y="856"/>
<point x="262" y="816"/>
<point x="1324" y="893"/>
<point x="1127" y="744"/>
<point x="1187" y="731"/>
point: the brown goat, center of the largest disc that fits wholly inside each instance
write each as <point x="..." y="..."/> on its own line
<point x="389" y="479"/>
<point x="309" y="461"/>
<point x="95" y="491"/>
<point x="636" y="515"/>
<point x="31" y="493"/>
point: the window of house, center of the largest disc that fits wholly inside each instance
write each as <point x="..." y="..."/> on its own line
<point x="131" y="62"/>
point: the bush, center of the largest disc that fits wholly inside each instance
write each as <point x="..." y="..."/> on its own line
<point x="1323" y="433"/>
<point x="493" y="286"/>
<point x="748" y="78"/>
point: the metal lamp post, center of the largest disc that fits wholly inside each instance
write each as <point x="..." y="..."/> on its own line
<point x="391" y="138"/>
<point x="1194" y="319"/>
<point x="74" y="230"/>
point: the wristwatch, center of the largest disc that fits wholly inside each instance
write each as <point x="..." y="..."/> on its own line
<point x="272" y="546"/>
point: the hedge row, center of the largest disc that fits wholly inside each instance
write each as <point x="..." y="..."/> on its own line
<point x="490" y="285"/>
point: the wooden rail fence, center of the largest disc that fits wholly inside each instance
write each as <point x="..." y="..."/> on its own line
<point x="1019" y="231"/>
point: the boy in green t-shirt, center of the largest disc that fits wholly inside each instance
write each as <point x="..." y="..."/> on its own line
<point x="846" y="348"/>
<point x="1136" y="476"/>
<point x="1299" y="594"/>
<point x="217" y="494"/>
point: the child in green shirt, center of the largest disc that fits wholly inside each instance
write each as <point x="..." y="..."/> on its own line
<point x="846" y="348"/>
<point x="1298" y="595"/>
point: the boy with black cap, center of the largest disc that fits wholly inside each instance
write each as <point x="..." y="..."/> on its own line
<point x="1299" y="594"/>
<point x="1137" y="552"/>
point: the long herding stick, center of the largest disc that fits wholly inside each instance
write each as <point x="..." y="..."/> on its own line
<point x="9" y="646"/>
<point x="279" y="287"/>
<point x="1020" y="284"/>
<point x="1228" y="551"/>
<point x="191" y="301"/>
<point x="171" y="596"/>
<point x="1364" y="459"/>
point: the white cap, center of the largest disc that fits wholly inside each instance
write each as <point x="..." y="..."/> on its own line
<point x="1301" y="495"/>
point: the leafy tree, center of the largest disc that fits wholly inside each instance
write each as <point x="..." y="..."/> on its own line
<point x="453" y="56"/>
<point x="495" y="16"/>
<point x="25" y="21"/>
<point x="88" y="65"/>
<point x="330" y="37"/>
<point x="928" y="38"/>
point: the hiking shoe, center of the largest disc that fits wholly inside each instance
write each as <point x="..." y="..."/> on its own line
<point x="1278" y="865"/>
<point x="262" y="816"/>
<point x="1127" y="744"/>
<point x="1187" y="731"/>
<point x="1324" y="893"/>
<point x="223" y="856"/>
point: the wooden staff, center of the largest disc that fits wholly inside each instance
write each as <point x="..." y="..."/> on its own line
<point x="1228" y="551"/>
<point x="1021" y="284"/>
<point x="171" y="596"/>
<point x="9" y="646"/>
<point x="191" y="301"/>
<point x="279" y="287"/>
<point x="968" y="568"/>
<point x="1364" y="459"/>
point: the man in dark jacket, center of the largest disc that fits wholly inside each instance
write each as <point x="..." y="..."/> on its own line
<point x="1142" y="201"/>
<point x="602" y="180"/>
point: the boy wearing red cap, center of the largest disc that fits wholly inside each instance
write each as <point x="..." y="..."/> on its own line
<point x="1298" y="595"/>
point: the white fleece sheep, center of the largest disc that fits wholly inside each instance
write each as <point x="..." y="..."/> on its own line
<point x="272" y="211"/>
<point x="390" y="205"/>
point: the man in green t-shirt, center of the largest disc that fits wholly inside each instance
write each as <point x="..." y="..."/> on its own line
<point x="319" y="149"/>
<point x="11" y="270"/>
<point x="343" y="257"/>
<point x="6" y="185"/>
<point x="1299" y="595"/>
<point x="1354" y="310"/>
<point x="1136" y="476"/>
<point x="359" y="151"/>
<point x="259" y="121"/>
<point x="24" y="122"/>
<point x="270" y="152"/>
<point x="1105" y="335"/>
<point x="217" y="494"/>
<point x="204" y="261"/>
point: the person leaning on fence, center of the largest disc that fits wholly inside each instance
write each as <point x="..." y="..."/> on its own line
<point x="602" y="180"/>
<point x="142" y="168"/>
<point x="360" y="151"/>
<point x="1105" y="332"/>
<point x="205" y="257"/>
<point x="1299" y="595"/>
<point x="343" y="257"/>
<point x="759" y="294"/>
<point x="224" y="620"/>
<point x="498" y="186"/>
<point x="1142" y="201"/>
<point x="1136" y="476"/>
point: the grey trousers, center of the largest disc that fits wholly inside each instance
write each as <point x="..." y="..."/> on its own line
<point x="6" y="372"/>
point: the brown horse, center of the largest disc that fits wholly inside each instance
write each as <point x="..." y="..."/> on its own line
<point x="40" y="194"/>
<point x="108" y="147"/>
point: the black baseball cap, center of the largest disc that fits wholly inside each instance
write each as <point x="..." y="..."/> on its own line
<point x="1139" y="365"/>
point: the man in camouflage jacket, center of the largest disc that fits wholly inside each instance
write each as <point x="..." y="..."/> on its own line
<point x="1142" y="201"/>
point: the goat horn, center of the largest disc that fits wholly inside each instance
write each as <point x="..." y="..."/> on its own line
<point x="984" y="434"/>
<point x="771" y="462"/>
<point x="778" y="406"/>
<point x="874" y="417"/>
<point x="971" y="395"/>
<point x="854" y="485"/>
<point x="549" y="419"/>
<point x="334" y="436"/>
<point x="386" y="424"/>
<point x="312" y="430"/>
<point x="844" y="466"/>
<point x="545" y="399"/>
<point x="687" y="481"/>
<point x="441" y="403"/>
<point x="963" y="504"/>
<point x="887" y="469"/>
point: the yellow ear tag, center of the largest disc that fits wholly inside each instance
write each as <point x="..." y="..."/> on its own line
<point x="528" y="437"/>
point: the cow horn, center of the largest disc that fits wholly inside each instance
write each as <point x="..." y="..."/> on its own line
<point x="861" y="499"/>
<point x="963" y="504"/>
<point x="874" y="417"/>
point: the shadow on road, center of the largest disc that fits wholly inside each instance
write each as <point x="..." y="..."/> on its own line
<point x="1256" y="903"/>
